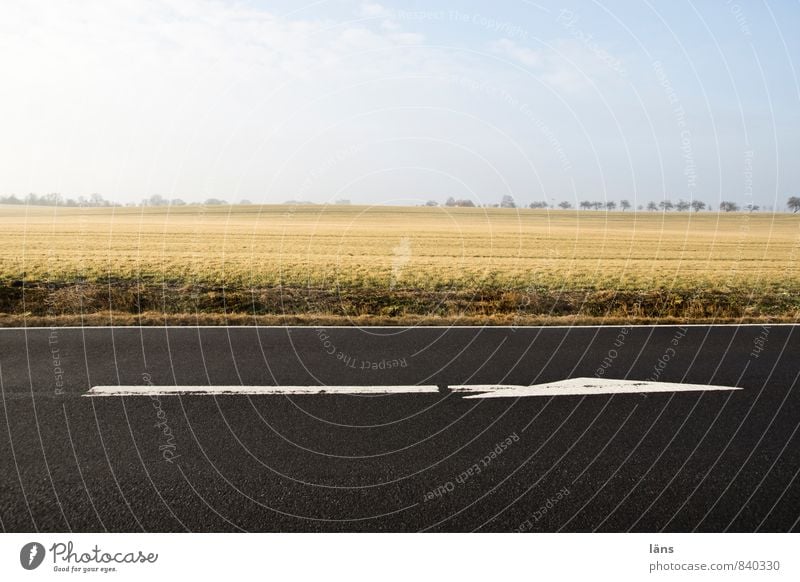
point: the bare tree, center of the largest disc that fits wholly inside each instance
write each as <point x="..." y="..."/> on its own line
<point x="624" y="204"/>
<point x="682" y="205"/>
<point x="611" y="205"/>
<point x="508" y="201"/>
<point x="651" y="206"/>
<point x="794" y="203"/>
<point x="97" y="200"/>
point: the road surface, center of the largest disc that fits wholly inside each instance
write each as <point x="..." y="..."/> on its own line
<point x="700" y="461"/>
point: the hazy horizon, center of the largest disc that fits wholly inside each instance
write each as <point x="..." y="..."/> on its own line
<point x="399" y="103"/>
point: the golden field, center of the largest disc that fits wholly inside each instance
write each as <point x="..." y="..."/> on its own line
<point x="393" y="264"/>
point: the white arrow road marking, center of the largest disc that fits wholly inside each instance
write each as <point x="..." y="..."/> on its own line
<point x="583" y="386"/>
<point x="572" y="387"/>
<point x="150" y="390"/>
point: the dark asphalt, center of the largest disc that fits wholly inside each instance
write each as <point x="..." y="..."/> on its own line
<point x="716" y="461"/>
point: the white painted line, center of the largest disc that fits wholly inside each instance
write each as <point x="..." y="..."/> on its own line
<point x="148" y="390"/>
<point x="572" y="387"/>
<point x="583" y="387"/>
<point x="472" y="388"/>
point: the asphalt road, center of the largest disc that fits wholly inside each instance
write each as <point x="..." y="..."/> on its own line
<point x="708" y="461"/>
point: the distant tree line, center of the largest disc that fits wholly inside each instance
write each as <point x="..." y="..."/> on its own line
<point x="96" y="200"/>
<point x="155" y="200"/>
<point x="507" y="201"/>
<point x="56" y="200"/>
<point x="159" y="200"/>
<point x="463" y="203"/>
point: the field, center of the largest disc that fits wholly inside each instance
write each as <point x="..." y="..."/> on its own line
<point x="391" y="265"/>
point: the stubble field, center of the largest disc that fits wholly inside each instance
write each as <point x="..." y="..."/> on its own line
<point x="352" y="264"/>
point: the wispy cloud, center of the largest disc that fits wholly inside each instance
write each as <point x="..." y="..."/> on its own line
<point x="520" y="54"/>
<point x="566" y="64"/>
<point x="373" y="9"/>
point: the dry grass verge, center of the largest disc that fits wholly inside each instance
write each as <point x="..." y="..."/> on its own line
<point x="134" y="303"/>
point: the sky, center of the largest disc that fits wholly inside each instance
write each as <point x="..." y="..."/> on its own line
<point x="401" y="102"/>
